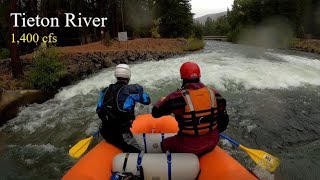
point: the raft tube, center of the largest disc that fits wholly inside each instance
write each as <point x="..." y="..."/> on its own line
<point x="97" y="164"/>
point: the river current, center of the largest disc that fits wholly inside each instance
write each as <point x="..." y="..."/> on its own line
<point x="273" y="99"/>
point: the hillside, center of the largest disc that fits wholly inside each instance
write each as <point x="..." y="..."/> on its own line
<point x="214" y="16"/>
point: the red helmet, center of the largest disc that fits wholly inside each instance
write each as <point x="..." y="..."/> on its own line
<point x="190" y="70"/>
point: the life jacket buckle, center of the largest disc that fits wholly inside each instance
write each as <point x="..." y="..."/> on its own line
<point x="199" y="121"/>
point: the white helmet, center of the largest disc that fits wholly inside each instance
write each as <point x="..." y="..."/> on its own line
<point x="122" y="71"/>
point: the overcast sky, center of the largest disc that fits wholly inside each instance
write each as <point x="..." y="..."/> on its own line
<point x="203" y="7"/>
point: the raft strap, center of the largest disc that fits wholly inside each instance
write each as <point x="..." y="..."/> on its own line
<point x="145" y="142"/>
<point x="125" y="162"/>
<point x="169" y="164"/>
<point x="139" y="166"/>
<point x="162" y="137"/>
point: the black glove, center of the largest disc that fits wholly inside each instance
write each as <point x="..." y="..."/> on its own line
<point x="223" y="121"/>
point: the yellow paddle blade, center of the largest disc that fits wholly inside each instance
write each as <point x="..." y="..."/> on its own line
<point x="77" y="150"/>
<point x="262" y="159"/>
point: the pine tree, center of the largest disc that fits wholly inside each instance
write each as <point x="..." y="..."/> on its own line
<point x="176" y="18"/>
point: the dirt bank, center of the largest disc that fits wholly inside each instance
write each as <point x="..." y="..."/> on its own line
<point x="86" y="59"/>
<point x="306" y="45"/>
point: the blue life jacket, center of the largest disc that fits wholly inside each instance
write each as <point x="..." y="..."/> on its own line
<point x="117" y="103"/>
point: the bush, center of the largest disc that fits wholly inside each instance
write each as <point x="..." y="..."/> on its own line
<point x="106" y="40"/>
<point x="141" y="32"/>
<point x="47" y="70"/>
<point x="155" y="29"/>
<point x="194" y="44"/>
<point x="4" y="53"/>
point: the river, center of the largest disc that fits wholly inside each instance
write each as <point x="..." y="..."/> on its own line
<point x="273" y="99"/>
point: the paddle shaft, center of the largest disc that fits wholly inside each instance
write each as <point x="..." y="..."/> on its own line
<point x="96" y="133"/>
<point x="229" y="139"/>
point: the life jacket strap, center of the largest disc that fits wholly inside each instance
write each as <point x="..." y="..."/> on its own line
<point x="193" y="113"/>
<point x="202" y="111"/>
<point x="213" y="101"/>
<point x="201" y="120"/>
<point x="199" y="128"/>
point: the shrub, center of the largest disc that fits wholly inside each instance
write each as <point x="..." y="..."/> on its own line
<point x="4" y="53"/>
<point x="155" y="29"/>
<point x="47" y="70"/>
<point x="141" y="32"/>
<point x="106" y="40"/>
<point x="194" y="44"/>
<point x="294" y="42"/>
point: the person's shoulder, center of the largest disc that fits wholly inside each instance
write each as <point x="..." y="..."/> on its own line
<point x="174" y="94"/>
<point x="105" y="89"/>
<point x="212" y="89"/>
<point x="135" y="87"/>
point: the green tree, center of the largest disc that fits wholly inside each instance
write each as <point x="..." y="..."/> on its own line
<point x="198" y="30"/>
<point x="297" y="13"/>
<point x="221" y="26"/>
<point x="176" y="18"/>
<point x="209" y="27"/>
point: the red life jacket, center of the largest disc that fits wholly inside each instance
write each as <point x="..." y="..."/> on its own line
<point x="201" y="112"/>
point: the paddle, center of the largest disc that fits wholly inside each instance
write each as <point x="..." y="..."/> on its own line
<point x="261" y="158"/>
<point x="77" y="150"/>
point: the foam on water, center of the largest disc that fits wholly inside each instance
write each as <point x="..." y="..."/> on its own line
<point x="43" y="147"/>
<point x="218" y="69"/>
<point x="86" y="86"/>
<point x="248" y="124"/>
<point x="36" y="148"/>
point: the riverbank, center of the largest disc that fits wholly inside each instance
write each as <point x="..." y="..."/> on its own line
<point x="306" y="45"/>
<point x="86" y="59"/>
<point x="82" y="61"/>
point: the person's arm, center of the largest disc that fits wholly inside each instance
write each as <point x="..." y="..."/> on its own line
<point x="101" y="99"/>
<point x="223" y="119"/>
<point x="144" y="98"/>
<point x="100" y="110"/>
<point x="173" y="103"/>
<point x="138" y="96"/>
<point x="160" y="108"/>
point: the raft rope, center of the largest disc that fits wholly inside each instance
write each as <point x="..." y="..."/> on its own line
<point x="169" y="164"/>
<point x="145" y="142"/>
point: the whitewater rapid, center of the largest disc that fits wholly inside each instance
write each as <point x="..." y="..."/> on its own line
<point x="238" y="72"/>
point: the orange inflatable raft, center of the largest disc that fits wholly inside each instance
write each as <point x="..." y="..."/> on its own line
<point x="99" y="162"/>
